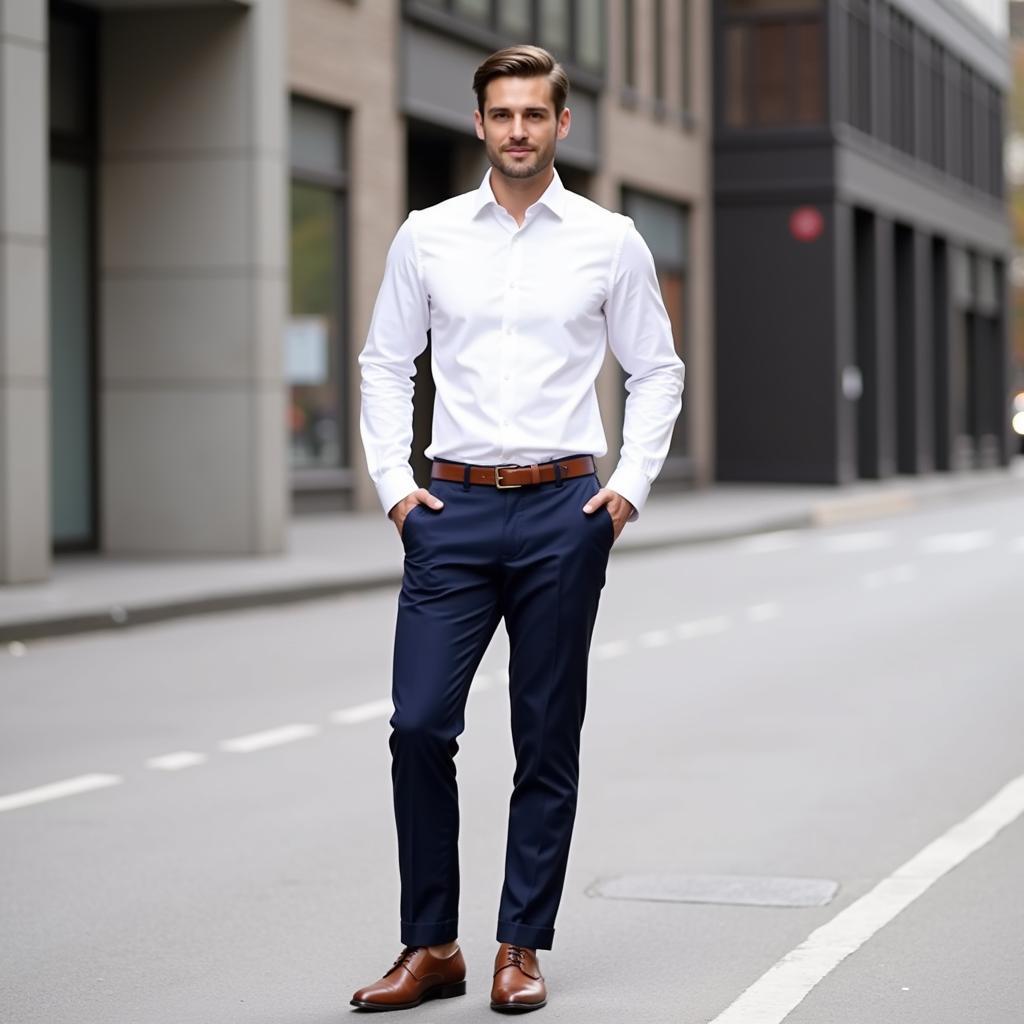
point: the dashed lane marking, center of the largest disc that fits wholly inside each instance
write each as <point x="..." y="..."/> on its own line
<point x="363" y="712"/>
<point x="56" y="790"/>
<point x="269" y="738"/>
<point x="703" y="627"/>
<point x="655" y="638"/>
<point x="957" y="543"/>
<point x="176" y="761"/>
<point x="764" y="612"/>
<point x="783" y="987"/>
<point x="767" y="543"/>
<point x="848" y="543"/>
<point x="611" y="649"/>
<point x="889" y="577"/>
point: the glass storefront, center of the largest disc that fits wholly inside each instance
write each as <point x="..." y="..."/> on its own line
<point x="72" y="271"/>
<point x="664" y="226"/>
<point x="315" y="359"/>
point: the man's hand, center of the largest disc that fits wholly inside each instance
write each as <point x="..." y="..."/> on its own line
<point x="618" y="507"/>
<point x="421" y="496"/>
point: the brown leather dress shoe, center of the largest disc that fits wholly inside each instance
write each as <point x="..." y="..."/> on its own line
<point x="413" y="978"/>
<point x="518" y="986"/>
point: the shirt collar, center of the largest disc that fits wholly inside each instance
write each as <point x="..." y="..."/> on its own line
<point x="553" y="197"/>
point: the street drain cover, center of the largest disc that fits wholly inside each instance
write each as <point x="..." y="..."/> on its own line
<point x="740" y="890"/>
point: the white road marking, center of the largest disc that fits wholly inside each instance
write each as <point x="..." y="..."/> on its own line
<point x="850" y="542"/>
<point x="176" y="761"/>
<point x="16" y="649"/>
<point x="268" y="738"/>
<point x="56" y="790"/>
<point x="888" y="577"/>
<point x="703" y="627"/>
<point x="612" y="649"/>
<point x="783" y="987"/>
<point x="766" y="543"/>
<point x="957" y="543"/>
<point x="655" y="638"/>
<point x="363" y="712"/>
<point x="764" y="612"/>
<point x="1018" y="545"/>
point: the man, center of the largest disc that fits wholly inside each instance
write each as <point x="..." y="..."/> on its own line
<point x="521" y="284"/>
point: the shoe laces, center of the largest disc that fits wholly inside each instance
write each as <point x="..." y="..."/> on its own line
<point x="516" y="955"/>
<point x="404" y="957"/>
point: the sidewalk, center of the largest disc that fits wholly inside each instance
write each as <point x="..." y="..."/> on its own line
<point x="342" y="553"/>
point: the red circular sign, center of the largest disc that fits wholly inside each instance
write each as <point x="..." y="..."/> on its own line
<point x="806" y="223"/>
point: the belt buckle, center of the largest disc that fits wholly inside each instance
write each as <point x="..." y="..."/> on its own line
<point x="497" y="478"/>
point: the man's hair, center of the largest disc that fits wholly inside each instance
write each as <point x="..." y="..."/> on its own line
<point x="522" y="62"/>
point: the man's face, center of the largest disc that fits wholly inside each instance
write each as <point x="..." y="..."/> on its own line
<point x="518" y="127"/>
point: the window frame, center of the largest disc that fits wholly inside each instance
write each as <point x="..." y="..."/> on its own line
<point x="441" y="14"/>
<point x="748" y="21"/>
<point x="342" y="477"/>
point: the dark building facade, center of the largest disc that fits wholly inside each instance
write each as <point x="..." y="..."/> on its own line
<point x="861" y="240"/>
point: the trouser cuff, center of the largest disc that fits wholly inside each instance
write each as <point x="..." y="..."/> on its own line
<point x="525" y="935"/>
<point x="430" y="933"/>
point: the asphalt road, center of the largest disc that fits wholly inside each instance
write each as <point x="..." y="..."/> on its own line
<point x="821" y="704"/>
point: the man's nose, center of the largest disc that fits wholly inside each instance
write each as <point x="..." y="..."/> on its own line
<point x="518" y="126"/>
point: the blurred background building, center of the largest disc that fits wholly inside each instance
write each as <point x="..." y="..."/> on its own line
<point x="861" y="238"/>
<point x="196" y="202"/>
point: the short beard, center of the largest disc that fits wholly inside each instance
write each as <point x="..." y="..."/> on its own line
<point x="517" y="170"/>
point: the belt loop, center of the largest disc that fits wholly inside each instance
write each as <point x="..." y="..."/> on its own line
<point x="558" y="474"/>
<point x="465" y="476"/>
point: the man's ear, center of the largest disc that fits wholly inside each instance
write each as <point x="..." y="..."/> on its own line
<point x="564" y="121"/>
<point x="478" y="122"/>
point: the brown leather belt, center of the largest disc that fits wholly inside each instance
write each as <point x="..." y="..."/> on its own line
<point x="506" y="477"/>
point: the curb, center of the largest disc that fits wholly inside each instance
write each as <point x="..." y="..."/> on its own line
<point x="831" y="512"/>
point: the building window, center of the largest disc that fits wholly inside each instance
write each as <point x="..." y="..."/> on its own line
<point x="574" y="30"/>
<point x="475" y="10"/>
<point x="664" y="226"/>
<point x="315" y="352"/>
<point x="590" y="34"/>
<point x="658" y="52"/>
<point x="514" y="17"/>
<point x="901" y="64"/>
<point x="774" y="63"/>
<point x="554" y="25"/>
<point x="629" y="45"/>
<point x="858" y="64"/>
<point x="686" y="58"/>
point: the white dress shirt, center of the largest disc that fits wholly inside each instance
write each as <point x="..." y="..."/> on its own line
<point x="519" y="319"/>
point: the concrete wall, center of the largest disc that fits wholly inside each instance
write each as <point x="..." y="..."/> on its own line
<point x="347" y="55"/>
<point x="193" y="258"/>
<point x="24" y="337"/>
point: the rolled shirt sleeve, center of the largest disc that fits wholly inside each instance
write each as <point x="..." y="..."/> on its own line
<point x="397" y="335"/>
<point x="640" y="337"/>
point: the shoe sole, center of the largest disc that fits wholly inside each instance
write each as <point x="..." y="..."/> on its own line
<point x="440" y="992"/>
<point x="517" y="1007"/>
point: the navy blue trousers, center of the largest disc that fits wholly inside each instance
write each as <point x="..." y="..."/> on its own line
<point x="534" y="558"/>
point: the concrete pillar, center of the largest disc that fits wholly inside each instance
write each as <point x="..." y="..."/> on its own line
<point x="880" y="377"/>
<point x="943" y="328"/>
<point x="915" y="373"/>
<point x="193" y="174"/>
<point x="844" y="259"/>
<point x="24" y="334"/>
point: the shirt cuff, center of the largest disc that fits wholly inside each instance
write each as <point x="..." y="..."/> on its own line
<point x="632" y="485"/>
<point x="394" y="485"/>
